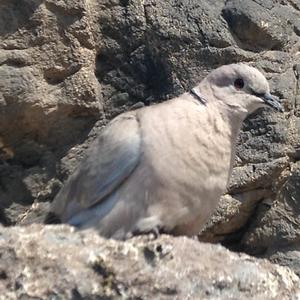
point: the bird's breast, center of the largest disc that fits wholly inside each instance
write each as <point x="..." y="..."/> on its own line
<point x="187" y="147"/>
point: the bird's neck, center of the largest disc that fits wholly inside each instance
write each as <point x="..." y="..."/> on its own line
<point x="233" y="116"/>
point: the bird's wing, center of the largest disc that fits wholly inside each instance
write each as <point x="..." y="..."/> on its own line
<point x="109" y="161"/>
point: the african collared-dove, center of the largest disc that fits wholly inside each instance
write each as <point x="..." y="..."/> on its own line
<point x="164" y="167"/>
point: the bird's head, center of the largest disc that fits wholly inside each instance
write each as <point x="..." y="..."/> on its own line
<point x="242" y="88"/>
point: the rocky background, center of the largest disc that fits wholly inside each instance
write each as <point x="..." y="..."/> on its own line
<point x="68" y="66"/>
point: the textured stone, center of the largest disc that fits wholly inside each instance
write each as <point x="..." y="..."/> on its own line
<point x="257" y="28"/>
<point x="68" y="66"/>
<point x="231" y="217"/>
<point x="44" y="262"/>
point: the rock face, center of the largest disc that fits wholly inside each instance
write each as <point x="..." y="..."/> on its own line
<point x="69" y="66"/>
<point x="44" y="262"/>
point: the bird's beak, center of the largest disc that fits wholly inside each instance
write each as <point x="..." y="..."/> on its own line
<point x="272" y="101"/>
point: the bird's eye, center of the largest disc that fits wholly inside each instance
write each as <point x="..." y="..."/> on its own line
<point x="239" y="83"/>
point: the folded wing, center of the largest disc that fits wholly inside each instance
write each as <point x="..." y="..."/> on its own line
<point x="108" y="163"/>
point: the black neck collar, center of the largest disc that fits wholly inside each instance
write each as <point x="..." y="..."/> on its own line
<point x="198" y="97"/>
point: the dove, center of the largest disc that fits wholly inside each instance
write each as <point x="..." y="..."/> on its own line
<point x="163" y="168"/>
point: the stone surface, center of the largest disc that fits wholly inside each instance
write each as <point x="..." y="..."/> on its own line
<point x="69" y="66"/>
<point x="54" y="262"/>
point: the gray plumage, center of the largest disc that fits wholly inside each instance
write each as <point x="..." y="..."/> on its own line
<point x="164" y="167"/>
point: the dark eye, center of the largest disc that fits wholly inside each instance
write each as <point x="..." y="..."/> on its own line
<point x="239" y="83"/>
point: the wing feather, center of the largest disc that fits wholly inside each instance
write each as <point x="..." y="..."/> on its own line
<point x="109" y="161"/>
